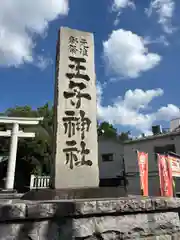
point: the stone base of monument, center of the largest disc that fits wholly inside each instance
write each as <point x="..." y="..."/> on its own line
<point x="9" y="194"/>
<point x="83" y="193"/>
<point x="2" y="190"/>
<point x="123" y="218"/>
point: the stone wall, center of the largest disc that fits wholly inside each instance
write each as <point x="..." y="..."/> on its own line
<point x="124" y="218"/>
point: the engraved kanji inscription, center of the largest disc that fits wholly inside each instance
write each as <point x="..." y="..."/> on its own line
<point x="84" y="151"/>
<point x="77" y="68"/>
<point x="71" y="153"/>
<point x="73" y="124"/>
<point x="78" y="72"/>
<point x="84" y="47"/>
<point x="70" y="123"/>
<point x="73" y="45"/>
<point x="85" y="124"/>
<point x="76" y="95"/>
<point x="76" y="157"/>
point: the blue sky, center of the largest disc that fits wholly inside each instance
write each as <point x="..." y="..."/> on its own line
<point x="137" y="46"/>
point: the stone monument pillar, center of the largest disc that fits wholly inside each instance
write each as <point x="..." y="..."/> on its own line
<point x="75" y="127"/>
<point x="75" y="170"/>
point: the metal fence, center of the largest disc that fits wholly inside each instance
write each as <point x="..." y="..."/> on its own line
<point x="39" y="182"/>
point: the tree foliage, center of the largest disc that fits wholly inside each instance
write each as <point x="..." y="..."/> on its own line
<point x="124" y="136"/>
<point x="107" y="130"/>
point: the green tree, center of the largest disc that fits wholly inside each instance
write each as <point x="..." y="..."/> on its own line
<point x="21" y="111"/>
<point x="124" y="136"/>
<point x="107" y="130"/>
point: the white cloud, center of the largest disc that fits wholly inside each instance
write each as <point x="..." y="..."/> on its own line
<point x="167" y="113"/>
<point x="165" y="10"/>
<point x="127" y="55"/>
<point x="139" y="99"/>
<point x="160" y="40"/>
<point x="99" y="93"/>
<point x="42" y="62"/>
<point x="119" y="5"/>
<point x="20" y="21"/>
<point x="129" y="111"/>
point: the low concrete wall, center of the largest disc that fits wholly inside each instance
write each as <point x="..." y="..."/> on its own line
<point x="124" y="218"/>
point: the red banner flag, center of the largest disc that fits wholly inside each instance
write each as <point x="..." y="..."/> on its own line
<point x="143" y="170"/>
<point x="165" y="176"/>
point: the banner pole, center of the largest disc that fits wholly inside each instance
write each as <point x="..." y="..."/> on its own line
<point x="174" y="187"/>
<point x="124" y="175"/>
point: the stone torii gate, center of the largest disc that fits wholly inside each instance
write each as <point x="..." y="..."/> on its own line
<point x="15" y="133"/>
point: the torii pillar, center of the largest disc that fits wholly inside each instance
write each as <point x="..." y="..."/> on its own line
<point x="15" y="134"/>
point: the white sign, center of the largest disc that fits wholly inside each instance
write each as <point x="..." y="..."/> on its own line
<point x="175" y="165"/>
